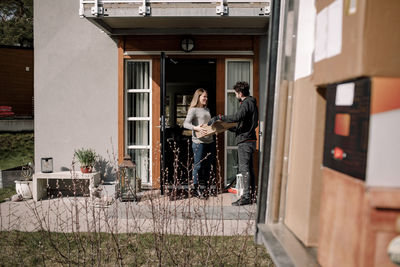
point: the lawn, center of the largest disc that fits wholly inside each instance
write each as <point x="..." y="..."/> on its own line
<point x="101" y="249"/>
<point x="6" y="193"/>
<point x="16" y="149"/>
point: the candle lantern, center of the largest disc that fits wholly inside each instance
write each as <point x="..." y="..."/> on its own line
<point x="127" y="186"/>
<point x="46" y="165"/>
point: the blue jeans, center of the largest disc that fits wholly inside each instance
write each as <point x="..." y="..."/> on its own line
<point x="203" y="159"/>
<point x="245" y="154"/>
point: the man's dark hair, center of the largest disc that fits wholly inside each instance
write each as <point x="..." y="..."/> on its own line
<point x="242" y="87"/>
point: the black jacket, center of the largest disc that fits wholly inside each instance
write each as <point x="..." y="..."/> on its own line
<point x="247" y="119"/>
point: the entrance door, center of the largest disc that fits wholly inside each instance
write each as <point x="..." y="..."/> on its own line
<point x="183" y="77"/>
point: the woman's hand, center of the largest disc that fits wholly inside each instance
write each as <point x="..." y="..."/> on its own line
<point x="200" y="129"/>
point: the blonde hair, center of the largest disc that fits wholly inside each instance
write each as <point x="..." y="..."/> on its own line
<point x="196" y="98"/>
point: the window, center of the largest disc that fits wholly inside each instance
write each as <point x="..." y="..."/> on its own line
<point x="138" y="116"/>
<point x="236" y="70"/>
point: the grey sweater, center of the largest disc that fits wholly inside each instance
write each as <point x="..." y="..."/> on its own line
<point x="196" y="117"/>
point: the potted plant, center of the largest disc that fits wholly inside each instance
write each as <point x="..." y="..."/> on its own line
<point x="24" y="187"/>
<point x="86" y="158"/>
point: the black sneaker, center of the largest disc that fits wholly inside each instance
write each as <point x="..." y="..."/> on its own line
<point x="242" y="201"/>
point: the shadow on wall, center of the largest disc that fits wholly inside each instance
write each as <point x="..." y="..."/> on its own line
<point x="106" y="168"/>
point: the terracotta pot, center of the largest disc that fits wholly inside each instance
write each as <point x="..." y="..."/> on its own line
<point x="86" y="169"/>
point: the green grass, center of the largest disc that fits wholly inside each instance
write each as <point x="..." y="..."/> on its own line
<point x="16" y="149"/>
<point x="101" y="249"/>
<point x="6" y="193"/>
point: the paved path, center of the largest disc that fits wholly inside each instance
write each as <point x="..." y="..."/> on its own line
<point x="154" y="213"/>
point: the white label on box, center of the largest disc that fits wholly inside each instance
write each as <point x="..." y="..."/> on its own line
<point x="335" y="19"/>
<point x="352" y="7"/>
<point x="321" y="35"/>
<point x="344" y="94"/>
<point x="328" y="34"/>
<point x="305" y="39"/>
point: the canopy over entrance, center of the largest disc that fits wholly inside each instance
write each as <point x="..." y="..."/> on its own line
<point x="138" y="17"/>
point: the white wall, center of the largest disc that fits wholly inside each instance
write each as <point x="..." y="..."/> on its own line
<point x="75" y="84"/>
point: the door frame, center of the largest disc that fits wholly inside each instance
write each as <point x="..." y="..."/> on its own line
<point x="221" y="58"/>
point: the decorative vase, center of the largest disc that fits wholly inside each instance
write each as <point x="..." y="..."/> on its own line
<point x="24" y="188"/>
<point x="86" y="169"/>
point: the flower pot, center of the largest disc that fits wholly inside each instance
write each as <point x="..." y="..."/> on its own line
<point x="24" y="188"/>
<point x="86" y="169"/>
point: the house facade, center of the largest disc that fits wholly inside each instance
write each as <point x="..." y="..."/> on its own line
<point x="111" y="82"/>
<point x="117" y="76"/>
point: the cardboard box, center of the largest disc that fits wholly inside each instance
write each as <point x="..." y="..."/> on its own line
<point x="356" y="38"/>
<point x="305" y="160"/>
<point x="357" y="222"/>
<point x="216" y="127"/>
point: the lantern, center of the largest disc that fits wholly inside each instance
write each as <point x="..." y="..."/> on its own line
<point x="46" y="165"/>
<point x="127" y="180"/>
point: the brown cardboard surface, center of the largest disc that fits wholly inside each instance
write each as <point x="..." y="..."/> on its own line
<point x="305" y="159"/>
<point x="216" y="127"/>
<point x="356" y="223"/>
<point x="370" y="43"/>
<point x="340" y="219"/>
<point x="386" y="198"/>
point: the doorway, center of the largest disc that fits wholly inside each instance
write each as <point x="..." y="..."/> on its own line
<point x="182" y="77"/>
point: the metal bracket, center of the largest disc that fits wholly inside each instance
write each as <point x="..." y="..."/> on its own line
<point x="97" y="11"/>
<point x="267" y="10"/>
<point x="144" y="9"/>
<point x="222" y="9"/>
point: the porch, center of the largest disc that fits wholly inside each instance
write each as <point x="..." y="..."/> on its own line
<point x="211" y="217"/>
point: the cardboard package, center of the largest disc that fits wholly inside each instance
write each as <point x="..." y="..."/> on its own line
<point x="216" y="127"/>
<point x="305" y="176"/>
<point x="357" y="223"/>
<point x="356" y="38"/>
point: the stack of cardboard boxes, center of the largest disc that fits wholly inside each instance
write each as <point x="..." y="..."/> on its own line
<point x="357" y="60"/>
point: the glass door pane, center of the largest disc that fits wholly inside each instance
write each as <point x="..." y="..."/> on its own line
<point x="138" y="104"/>
<point x="141" y="157"/>
<point x="138" y="116"/>
<point x="236" y="70"/>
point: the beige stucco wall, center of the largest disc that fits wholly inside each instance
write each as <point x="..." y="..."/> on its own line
<point x="75" y="84"/>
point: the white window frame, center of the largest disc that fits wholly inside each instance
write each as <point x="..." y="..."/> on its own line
<point x="149" y="119"/>
<point x="227" y="91"/>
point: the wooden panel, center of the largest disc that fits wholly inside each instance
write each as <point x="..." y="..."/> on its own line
<point x="378" y="229"/>
<point x="156" y="109"/>
<point x="220" y="102"/>
<point x="172" y="43"/>
<point x="304" y="171"/>
<point x="352" y="231"/>
<point x="388" y="198"/>
<point x="15" y="82"/>
<point x="121" y="114"/>
<point x="340" y="219"/>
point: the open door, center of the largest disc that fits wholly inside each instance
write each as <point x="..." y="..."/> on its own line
<point x="181" y="77"/>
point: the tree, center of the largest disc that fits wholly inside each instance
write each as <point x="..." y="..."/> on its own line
<point x="16" y="22"/>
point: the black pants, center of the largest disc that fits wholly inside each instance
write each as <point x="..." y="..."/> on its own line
<point x="245" y="154"/>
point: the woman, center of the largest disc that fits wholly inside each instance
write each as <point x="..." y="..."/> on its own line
<point x="204" y="147"/>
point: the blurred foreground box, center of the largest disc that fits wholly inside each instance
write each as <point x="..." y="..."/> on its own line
<point x="355" y="39"/>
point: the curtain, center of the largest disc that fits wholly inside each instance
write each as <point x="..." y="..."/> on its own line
<point x="238" y="71"/>
<point x="138" y="108"/>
